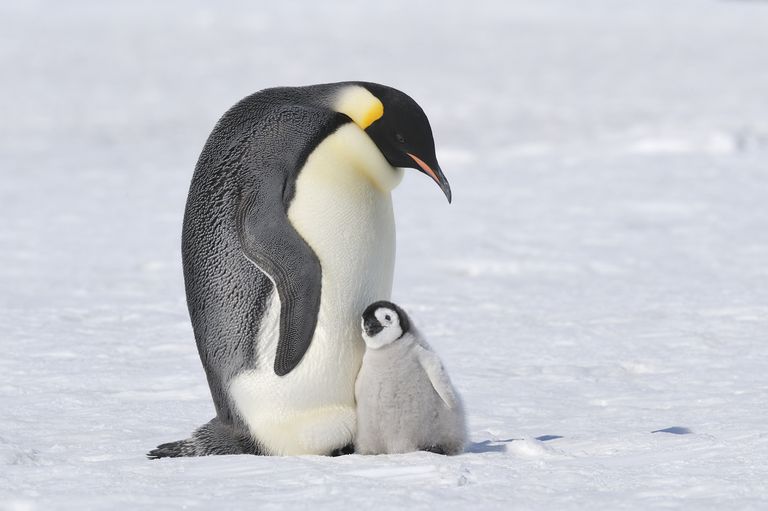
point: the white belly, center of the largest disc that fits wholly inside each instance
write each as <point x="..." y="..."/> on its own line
<point x="347" y="219"/>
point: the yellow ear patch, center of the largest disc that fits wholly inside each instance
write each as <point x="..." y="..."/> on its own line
<point x="360" y="105"/>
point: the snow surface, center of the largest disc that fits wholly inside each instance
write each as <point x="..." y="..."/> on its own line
<point x="598" y="289"/>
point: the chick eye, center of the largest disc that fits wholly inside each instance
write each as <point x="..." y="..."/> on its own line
<point x="400" y="138"/>
<point x="387" y="317"/>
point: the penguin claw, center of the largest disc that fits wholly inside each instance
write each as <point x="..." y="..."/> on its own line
<point x="435" y="449"/>
<point x="342" y="451"/>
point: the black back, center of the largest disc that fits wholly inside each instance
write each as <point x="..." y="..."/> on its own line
<point x="243" y="184"/>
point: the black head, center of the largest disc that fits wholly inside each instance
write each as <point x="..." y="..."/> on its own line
<point x="404" y="136"/>
<point x="385" y="315"/>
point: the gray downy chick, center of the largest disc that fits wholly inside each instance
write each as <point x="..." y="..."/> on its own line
<point x="405" y="400"/>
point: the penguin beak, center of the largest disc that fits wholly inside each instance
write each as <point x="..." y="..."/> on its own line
<point x="435" y="173"/>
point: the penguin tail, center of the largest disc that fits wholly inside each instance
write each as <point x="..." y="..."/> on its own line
<point x="173" y="450"/>
<point x="215" y="437"/>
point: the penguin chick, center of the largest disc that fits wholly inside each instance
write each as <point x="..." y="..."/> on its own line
<point x="405" y="400"/>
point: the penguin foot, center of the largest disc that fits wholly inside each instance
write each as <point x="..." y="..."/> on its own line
<point x="436" y="449"/>
<point x="445" y="449"/>
<point x="342" y="451"/>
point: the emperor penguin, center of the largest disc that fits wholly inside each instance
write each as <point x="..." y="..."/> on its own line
<point x="288" y="234"/>
<point x="405" y="400"/>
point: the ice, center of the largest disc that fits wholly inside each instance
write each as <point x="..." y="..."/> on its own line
<point x="598" y="290"/>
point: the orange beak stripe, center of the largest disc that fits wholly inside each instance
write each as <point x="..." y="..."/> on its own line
<point x="425" y="168"/>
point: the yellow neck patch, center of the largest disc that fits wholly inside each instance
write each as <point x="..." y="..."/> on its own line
<point x="359" y="104"/>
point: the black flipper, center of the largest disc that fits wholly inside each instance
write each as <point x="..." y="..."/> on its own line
<point x="267" y="186"/>
<point x="270" y="241"/>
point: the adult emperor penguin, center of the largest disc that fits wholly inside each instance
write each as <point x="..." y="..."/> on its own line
<point x="288" y="234"/>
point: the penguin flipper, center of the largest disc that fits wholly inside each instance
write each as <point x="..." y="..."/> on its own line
<point x="278" y="250"/>
<point x="431" y="364"/>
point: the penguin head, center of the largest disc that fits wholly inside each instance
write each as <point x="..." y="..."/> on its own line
<point x="397" y="125"/>
<point x="383" y="323"/>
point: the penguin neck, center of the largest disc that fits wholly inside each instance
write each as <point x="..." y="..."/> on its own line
<point x="352" y="145"/>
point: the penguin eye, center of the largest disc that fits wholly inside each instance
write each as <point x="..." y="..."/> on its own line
<point x="400" y="138"/>
<point x="387" y="317"/>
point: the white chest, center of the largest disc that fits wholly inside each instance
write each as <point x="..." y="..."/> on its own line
<point x="345" y="214"/>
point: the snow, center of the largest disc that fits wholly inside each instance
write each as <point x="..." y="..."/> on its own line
<point x="598" y="289"/>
